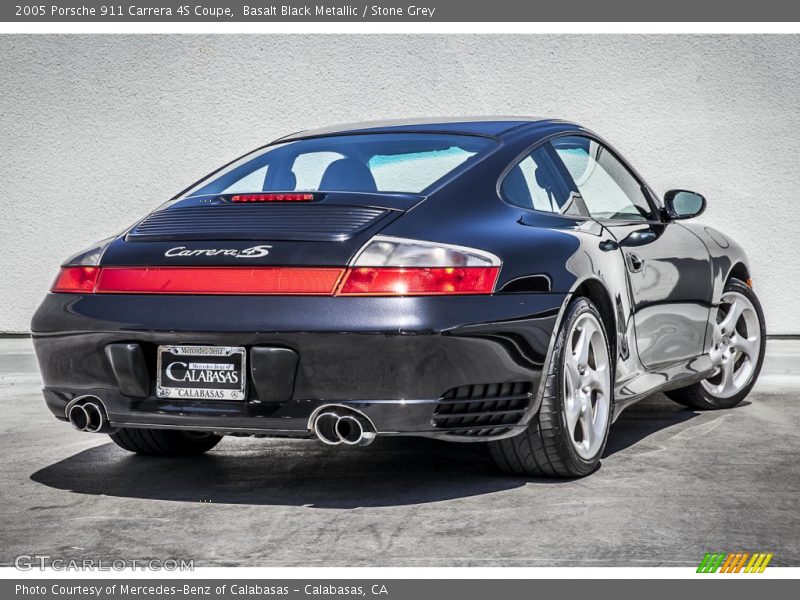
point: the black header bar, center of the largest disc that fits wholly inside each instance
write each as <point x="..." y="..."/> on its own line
<point x="127" y="11"/>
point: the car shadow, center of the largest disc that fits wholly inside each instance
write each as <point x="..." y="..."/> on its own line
<point x="645" y="418"/>
<point x="390" y="472"/>
<point x="649" y="416"/>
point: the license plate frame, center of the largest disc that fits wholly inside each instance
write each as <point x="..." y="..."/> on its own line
<point x="204" y="367"/>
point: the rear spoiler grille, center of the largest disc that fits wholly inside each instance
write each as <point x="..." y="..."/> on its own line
<point x="256" y="222"/>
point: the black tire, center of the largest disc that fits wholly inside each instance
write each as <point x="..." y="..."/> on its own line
<point x="545" y="447"/>
<point x="165" y="442"/>
<point x="696" y="396"/>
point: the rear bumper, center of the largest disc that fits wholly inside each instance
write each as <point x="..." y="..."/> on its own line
<point x="391" y="358"/>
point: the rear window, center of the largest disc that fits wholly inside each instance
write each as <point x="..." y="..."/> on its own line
<point x="395" y="162"/>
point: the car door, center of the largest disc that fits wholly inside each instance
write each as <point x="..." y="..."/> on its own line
<point x="668" y="267"/>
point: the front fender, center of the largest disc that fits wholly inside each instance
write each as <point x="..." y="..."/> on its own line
<point x="726" y="256"/>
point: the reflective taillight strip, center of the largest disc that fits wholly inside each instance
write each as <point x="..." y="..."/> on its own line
<point x="203" y="280"/>
<point x="306" y="281"/>
<point x="218" y="280"/>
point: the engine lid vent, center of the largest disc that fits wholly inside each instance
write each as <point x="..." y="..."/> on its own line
<point x="319" y="222"/>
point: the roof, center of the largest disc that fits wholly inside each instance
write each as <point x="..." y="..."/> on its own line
<point x="478" y="125"/>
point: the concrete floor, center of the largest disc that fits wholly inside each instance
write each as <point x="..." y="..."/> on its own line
<point x="674" y="484"/>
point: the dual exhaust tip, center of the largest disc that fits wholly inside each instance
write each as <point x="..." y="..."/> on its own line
<point x="342" y="425"/>
<point x="88" y="415"/>
<point x="333" y="425"/>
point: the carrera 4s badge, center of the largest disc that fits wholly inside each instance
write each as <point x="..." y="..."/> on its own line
<point x="252" y="252"/>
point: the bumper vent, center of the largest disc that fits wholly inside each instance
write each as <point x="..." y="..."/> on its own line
<point x="482" y="409"/>
<point x="256" y="222"/>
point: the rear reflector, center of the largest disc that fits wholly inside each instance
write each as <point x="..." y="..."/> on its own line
<point x="218" y="280"/>
<point x="76" y="280"/>
<point x="420" y="281"/>
<point x="272" y="198"/>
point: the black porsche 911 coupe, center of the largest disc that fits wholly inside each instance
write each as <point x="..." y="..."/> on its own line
<point x="503" y="280"/>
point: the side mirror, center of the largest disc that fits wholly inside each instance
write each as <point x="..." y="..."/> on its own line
<point x="683" y="204"/>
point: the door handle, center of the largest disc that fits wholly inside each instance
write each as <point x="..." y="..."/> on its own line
<point x="635" y="262"/>
<point x="609" y="245"/>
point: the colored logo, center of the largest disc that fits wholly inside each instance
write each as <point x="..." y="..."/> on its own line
<point x="734" y="562"/>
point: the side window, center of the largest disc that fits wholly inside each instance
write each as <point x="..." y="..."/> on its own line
<point x="607" y="187"/>
<point x="534" y="184"/>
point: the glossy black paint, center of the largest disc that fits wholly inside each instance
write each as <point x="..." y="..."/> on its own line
<point x="657" y="284"/>
<point x="375" y="352"/>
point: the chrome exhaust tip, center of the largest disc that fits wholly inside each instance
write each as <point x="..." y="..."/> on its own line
<point x="351" y="431"/>
<point x="96" y="418"/>
<point x="88" y="413"/>
<point x="78" y="417"/>
<point x="342" y="425"/>
<point x="325" y="426"/>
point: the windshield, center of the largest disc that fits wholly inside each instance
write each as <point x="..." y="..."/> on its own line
<point x="385" y="162"/>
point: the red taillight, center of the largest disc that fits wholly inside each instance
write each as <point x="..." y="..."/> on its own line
<point x="418" y="281"/>
<point x="311" y="281"/>
<point x="272" y="197"/>
<point x="218" y="280"/>
<point x="76" y="280"/>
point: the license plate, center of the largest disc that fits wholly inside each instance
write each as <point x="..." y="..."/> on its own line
<point x="202" y="372"/>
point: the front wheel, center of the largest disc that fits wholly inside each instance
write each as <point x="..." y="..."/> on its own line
<point x="165" y="442"/>
<point x="567" y="436"/>
<point x="737" y="352"/>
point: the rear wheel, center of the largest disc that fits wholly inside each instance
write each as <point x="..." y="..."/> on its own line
<point x="165" y="442"/>
<point x="737" y="352"/>
<point x="567" y="436"/>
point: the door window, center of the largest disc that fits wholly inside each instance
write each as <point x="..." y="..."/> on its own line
<point x="607" y="187"/>
<point x="534" y="184"/>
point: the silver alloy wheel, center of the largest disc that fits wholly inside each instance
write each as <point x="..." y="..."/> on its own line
<point x="587" y="385"/>
<point x="736" y="344"/>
